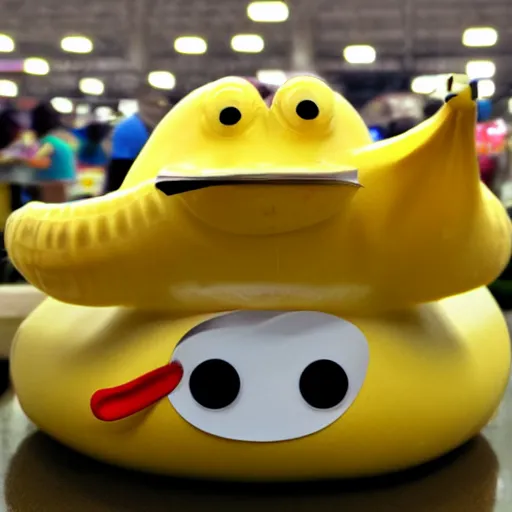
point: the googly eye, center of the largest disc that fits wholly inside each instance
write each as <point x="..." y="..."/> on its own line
<point x="305" y="104"/>
<point x="307" y="110"/>
<point x="323" y="384"/>
<point x="265" y="376"/>
<point x="230" y="116"/>
<point x="230" y="106"/>
<point x="214" y="384"/>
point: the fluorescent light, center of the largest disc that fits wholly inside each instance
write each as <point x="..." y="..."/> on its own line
<point x="268" y="12"/>
<point x="247" y="43"/>
<point x="480" y="69"/>
<point x="104" y="113"/>
<point x="76" y="44"/>
<point x="510" y="105"/>
<point x="6" y="43"/>
<point x="62" y="105"/>
<point x="486" y="88"/>
<point x="480" y="37"/>
<point x="272" y="76"/>
<point x="92" y="86"/>
<point x="190" y="45"/>
<point x="128" y="107"/>
<point x="360" y="54"/>
<point x="162" y="80"/>
<point x="425" y="84"/>
<point x="83" y="109"/>
<point x="36" y="66"/>
<point x="8" y="89"/>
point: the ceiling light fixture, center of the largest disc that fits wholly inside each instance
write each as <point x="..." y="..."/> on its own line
<point x="62" y="105"/>
<point x="92" y="86"/>
<point x="36" y="66"/>
<point x="8" y="89"/>
<point x="486" y="88"/>
<point x="360" y="54"/>
<point x="480" y="69"/>
<point x="247" y="43"/>
<point x="190" y="45"/>
<point x="83" y="109"/>
<point x="6" y="43"/>
<point x="480" y="37"/>
<point x="268" y="12"/>
<point x="162" y="80"/>
<point x="104" y="113"/>
<point x="128" y="107"/>
<point x="272" y="76"/>
<point x="425" y="84"/>
<point x="76" y="44"/>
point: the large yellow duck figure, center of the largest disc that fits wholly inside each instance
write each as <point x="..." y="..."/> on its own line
<point x="270" y="296"/>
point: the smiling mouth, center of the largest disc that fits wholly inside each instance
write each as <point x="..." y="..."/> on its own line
<point x="175" y="183"/>
<point x="117" y="403"/>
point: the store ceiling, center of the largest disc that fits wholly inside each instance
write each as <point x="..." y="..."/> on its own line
<point x="132" y="37"/>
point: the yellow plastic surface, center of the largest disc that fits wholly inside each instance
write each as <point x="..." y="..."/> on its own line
<point x="422" y="227"/>
<point x="436" y="376"/>
<point x="384" y="256"/>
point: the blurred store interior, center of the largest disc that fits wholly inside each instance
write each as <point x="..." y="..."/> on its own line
<point x="389" y="58"/>
<point x="71" y="73"/>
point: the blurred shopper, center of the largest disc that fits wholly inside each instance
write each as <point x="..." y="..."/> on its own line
<point x="10" y="127"/>
<point x="93" y="156"/>
<point x="55" y="159"/>
<point x="432" y="106"/>
<point x="399" y="126"/>
<point x="92" y="148"/>
<point x="12" y="147"/>
<point x="10" y="130"/>
<point x="132" y="133"/>
<point x="16" y="145"/>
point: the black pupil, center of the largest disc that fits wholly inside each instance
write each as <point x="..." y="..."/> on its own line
<point x="230" y="116"/>
<point x="214" y="384"/>
<point x="323" y="384"/>
<point x="307" y="110"/>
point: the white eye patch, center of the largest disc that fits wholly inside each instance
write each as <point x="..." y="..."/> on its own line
<point x="269" y="376"/>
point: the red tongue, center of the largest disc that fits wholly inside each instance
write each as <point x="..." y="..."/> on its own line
<point x="113" y="404"/>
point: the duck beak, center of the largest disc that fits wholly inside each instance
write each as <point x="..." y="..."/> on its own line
<point x="177" y="183"/>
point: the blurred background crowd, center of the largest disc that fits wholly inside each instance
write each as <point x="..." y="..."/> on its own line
<point x="83" y="86"/>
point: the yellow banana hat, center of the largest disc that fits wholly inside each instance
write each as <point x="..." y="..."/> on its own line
<point x="409" y="210"/>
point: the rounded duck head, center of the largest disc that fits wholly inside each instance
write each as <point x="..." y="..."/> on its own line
<point x="234" y="204"/>
<point x="226" y="130"/>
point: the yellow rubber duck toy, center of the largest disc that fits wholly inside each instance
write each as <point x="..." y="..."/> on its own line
<point x="270" y="296"/>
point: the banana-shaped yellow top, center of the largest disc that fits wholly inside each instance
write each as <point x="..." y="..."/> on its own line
<point x="234" y="205"/>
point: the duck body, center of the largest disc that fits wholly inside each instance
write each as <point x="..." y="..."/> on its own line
<point x="276" y="298"/>
<point x="436" y="374"/>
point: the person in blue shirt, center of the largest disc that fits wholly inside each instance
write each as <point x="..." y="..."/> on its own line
<point x="10" y="130"/>
<point x="132" y="133"/>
